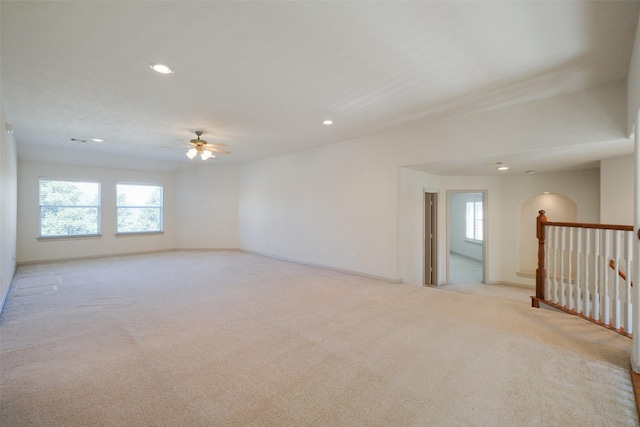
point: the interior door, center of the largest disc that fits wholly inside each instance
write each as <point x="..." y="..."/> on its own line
<point x="466" y="228"/>
<point x="430" y="238"/>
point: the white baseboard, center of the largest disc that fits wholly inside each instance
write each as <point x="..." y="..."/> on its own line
<point x="516" y="285"/>
<point x="111" y="255"/>
<point x="326" y="267"/>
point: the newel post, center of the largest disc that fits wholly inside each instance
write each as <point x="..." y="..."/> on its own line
<point x="541" y="271"/>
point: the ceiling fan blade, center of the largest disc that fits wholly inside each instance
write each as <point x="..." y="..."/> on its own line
<point x="208" y="146"/>
<point x="217" y="150"/>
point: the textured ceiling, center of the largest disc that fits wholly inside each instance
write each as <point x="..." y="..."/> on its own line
<point x="261" y="76"/>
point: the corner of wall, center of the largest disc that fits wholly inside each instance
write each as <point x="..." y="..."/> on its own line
<point x="8" y="207"/>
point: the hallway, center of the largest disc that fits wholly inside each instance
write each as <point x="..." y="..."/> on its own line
<point x="466" y="277"/>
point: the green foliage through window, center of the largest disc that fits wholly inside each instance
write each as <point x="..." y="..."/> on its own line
<point x="69" y="208"/>
<point x="139" y="208"/>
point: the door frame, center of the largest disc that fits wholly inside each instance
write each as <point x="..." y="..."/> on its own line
<point x="485" y="234"/>
<point x="430" y="215"/>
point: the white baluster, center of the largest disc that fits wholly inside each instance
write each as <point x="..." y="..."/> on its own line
<point x="606" y="319"/>
<point x="616" y="279"/>
<point x="547" y="256"/>
<point x="555" y="265"/>
<point x="570" y="285"/>
<point x="563" y="292"/>
<point x="596" y="275"/>
<point x="587" y="268"/>
<point x="579" y="249"/>
<point x="628" y="318"/>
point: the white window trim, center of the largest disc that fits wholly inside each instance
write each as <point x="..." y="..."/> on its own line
<point x="160" y="207"/>
<point x="70" y="236"/>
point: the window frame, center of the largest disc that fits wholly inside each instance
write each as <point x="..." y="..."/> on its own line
<point x="160" y="208"/>
<point x="98" y="207"/>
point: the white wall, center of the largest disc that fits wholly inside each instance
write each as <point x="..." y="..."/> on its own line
<point x="581" y="187"/>
<point x="333" y="206"/>
<point x="207" y="207"/>
<point x="412" y="184"/>
<point x="30" y="249"/>
<point x="410" y="228"/>
<point x="339" y="205"/>
<point x="8" y="208"/>
<point x="617" y="190"/>
<point x="342" y="205"/>
<point x="556" y="206"/>
<point x="200" y="211"/>
<point x="505" y="196"/>
<point x="633" y="83"/>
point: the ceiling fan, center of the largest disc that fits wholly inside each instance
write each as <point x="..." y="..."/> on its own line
<point x="202" y="147"/>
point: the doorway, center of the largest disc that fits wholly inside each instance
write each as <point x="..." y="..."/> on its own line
<point x="466" y="237"/>
<point x="430" y="238"/>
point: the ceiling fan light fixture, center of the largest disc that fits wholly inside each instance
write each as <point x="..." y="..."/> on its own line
<point x="206" y="150"/>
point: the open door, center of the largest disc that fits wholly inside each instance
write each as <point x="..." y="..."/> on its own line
<point x="430" y="240"/>
<point x="466" y="236"/>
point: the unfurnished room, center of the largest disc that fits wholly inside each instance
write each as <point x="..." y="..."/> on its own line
<point x="319" y="213"/>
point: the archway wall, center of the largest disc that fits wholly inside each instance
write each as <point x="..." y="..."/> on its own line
<point x="556" y="206"/>
<point x="581" y="188"/>
<point x="505" y="198"/>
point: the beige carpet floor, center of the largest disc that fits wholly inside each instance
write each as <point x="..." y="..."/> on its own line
<point x="235" y="339"/>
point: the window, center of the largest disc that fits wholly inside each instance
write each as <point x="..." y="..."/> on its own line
<point x="139" y="208"/>
<point x="69" y="208"/>
<point x="474" y="221"/>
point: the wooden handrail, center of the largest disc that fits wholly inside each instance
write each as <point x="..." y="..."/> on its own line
<point x="585" y="225"/>
<point x="612" y="264"/>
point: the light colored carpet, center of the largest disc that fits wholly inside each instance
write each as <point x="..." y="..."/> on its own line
<point x="513" y="293"/>
<point x="235" y="339"/>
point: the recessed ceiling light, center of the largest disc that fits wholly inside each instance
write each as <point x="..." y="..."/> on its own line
<point x="531" y="171"/>
<point x="161" y="68"/>
<point x="502" y="166"/>
<point x="327" y="122"/>
<point x="97" y="140"/>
